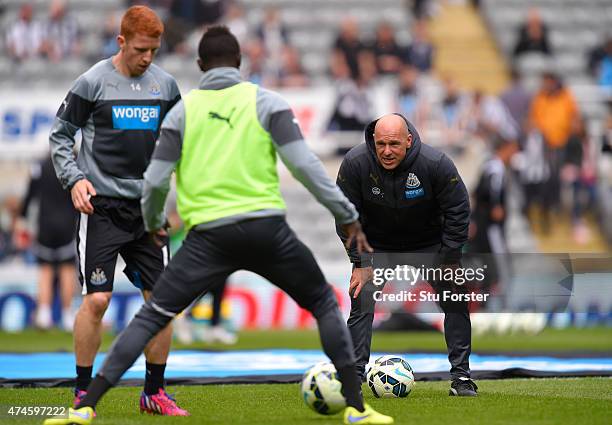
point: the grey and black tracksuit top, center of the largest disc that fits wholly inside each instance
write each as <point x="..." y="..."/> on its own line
<point x="119" y="118"/>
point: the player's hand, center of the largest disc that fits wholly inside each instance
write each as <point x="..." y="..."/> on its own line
<point x="354" y="232"/>
<point x="81" y="193"/>
<point x="159" y="237"/>
<point x="359" y="278"/>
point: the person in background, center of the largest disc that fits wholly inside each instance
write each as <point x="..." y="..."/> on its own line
<point x="348" y="47"/>
<point x="60" y="33"/>
<point x="603" y="70"/>
<point x="217" y="332"/>
<point x="185" y="16"/>
<point x="24" y="38"/>
<point x="580" y="172"/>
<point x="292" y="73"/>
<point x="410" y="101"/>
<point x="533" y="35"/>
<point x="184" y="329"/>
<point x="488" y="116"/>
<point x="517" y="100"/>
<point x="12" y="243"/>
<point x="273" y="35"/>
<point x="109" y="36"/>
<point x="489" y="210"/>
<point x="554" y="110"/>
<point x="235" y="20"/>
<point x="54" y="246"/>
<point x="421" y="51"/>
<point x="187" y="324"/>
<point x="553" y="113"/>
<point x="452" y="114"/>
<point x="255" y="63"/>
<point x="598" y="53"/>
<point x="353" y="109"/>
<point x="386" y="50"/>
<point x="490" y="214"/>
<point x="533" y="171"/>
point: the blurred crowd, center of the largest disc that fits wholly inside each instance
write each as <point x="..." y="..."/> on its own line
<point x="557" y="163"/>
<point x="54" y="37"/>
<point x="269" y="58"/>
<point x="559" y="158"/>
<point x="548" y="120"/>
<point x="556" y="148"/>
<point x="533" y="37"/>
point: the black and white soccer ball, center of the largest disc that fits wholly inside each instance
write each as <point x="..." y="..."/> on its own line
<point x="390" y="377"/>
<point x="322" y="390"/>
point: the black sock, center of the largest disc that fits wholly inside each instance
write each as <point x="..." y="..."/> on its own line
<point x="83" y="377"/>
<point x="95" y="391"/>
<point x="154" y="379"/>
<point x="351" y="387"/>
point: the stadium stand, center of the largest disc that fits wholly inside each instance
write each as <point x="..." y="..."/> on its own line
<point x="312" y="28"/>
<point x="576" y="26"/>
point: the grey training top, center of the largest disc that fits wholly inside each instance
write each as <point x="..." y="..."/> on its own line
<point x="120" y="119"/>
<point x="276" y="117"/>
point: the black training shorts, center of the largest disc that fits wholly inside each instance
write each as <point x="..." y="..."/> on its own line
<point x="116" y="228"/>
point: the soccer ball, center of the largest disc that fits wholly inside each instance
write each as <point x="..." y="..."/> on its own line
<point x="390" y="376"/>
<point x="321" y="389"/>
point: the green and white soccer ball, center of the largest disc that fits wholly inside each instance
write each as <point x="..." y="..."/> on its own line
<point x="390" y="377"/>
<point x="321" y="389"/>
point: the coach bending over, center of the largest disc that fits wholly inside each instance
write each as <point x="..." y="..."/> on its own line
<point x="410" y="199"/>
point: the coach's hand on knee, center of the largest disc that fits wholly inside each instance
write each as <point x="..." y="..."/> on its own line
<point x="81" y="192"/>
<point x="359" y="277"/>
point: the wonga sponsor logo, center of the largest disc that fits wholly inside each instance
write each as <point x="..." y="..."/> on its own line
<point x="136" y="117"/>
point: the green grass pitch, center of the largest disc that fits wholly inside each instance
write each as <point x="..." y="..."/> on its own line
<point x="519" y="401"/>
<point x="582" y="401"/>
<point x="597" y="339"/>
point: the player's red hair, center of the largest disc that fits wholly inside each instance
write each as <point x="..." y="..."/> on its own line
<point x="141" y="20"/>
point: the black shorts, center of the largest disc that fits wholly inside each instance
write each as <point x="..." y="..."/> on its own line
<point x="55" y="242"/>
<point x="116" y="228"/>
<point x="54" y="255"/>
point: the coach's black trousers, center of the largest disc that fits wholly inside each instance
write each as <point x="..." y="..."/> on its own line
<point x="266" y="246"/>
<point x="457" y="325"/>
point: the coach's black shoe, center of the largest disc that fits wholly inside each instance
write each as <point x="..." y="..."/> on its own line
<point x="463" y="387"/>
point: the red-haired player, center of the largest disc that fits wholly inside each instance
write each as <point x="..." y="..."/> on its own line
<point x="118" y="104"/>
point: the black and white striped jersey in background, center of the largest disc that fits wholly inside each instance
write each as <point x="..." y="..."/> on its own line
<point x="491" y="189"/>
<point x="120" y="119"/>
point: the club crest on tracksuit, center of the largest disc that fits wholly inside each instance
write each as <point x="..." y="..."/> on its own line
<point x="413" y="187"/>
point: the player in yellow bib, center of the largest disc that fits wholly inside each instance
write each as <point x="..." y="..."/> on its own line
<point x="222" y="140"/>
